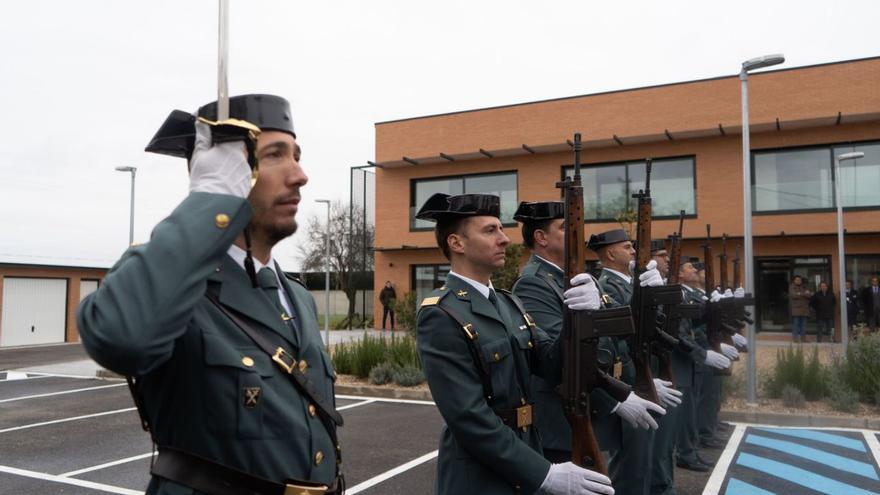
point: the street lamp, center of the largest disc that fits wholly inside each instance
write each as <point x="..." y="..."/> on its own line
<point x="841" y="257"/>
<point x="133" y="170"/>
<point x="751" y="64"/>
<point x="326" y="276"/>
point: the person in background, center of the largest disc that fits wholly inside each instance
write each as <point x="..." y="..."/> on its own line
<point x="387" y="297"/>
<point x="799" y="307"/>
<point x="823" y="303"/>
<point x="852" y="306"/>
<point x="871" y="303"/>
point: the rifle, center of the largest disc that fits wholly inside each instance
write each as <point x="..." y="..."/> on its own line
<point x="722" y="265"/>
<point x="715" y="326"/>
<point x="581" y="331"/>
<point x="737" y="280"/>
<point x="646" y="301"/>
<point x="744" y="315"/>
<point x="732" y="307"/>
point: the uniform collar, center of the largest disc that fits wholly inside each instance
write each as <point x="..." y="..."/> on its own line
<point x="238" y="255"/>
<point x="628" y="279"/>
<point x="554" y="265"/>
<point x="481" y="288"/>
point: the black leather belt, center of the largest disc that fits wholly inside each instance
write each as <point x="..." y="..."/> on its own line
<point x="216" y="479"/>
<point x="520" y="417"/>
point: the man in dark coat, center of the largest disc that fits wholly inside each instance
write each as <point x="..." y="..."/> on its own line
<point x="823" y="303"/>
<point x="225" y="417"/>
<point x="387" y="297"/>
<point x="871" y="303"/>
<point x="852" y="305"/>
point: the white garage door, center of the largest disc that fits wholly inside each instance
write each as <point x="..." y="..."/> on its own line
<point x="33" y="311"/>
<point x="86" y="287"/>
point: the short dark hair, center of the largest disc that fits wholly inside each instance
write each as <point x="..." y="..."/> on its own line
<point x="444" y="229"/>
<point x="529" y="228"/>
<point x="796" y="277"/>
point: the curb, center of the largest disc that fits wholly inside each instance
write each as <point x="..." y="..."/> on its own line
<point x="783" y="419"/>
<point x="105" y="374"/>
<point x="384" y="392"/>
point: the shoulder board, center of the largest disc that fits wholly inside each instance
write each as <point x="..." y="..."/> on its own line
<point x="433" y="299"/>
<point x="294" y="278"/>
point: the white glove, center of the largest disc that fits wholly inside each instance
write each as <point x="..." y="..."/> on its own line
<point x="729" y="351"/>
<point x="727" y="293"/>
<point x="221" y="169"/>
<point x="716" y="360"/>
<point x="739" y="292"/>
<point x="740" y="340"/>
<point x="650" y="277"/>
<point x="669" y="397"/>
<point x="715" y="296"/>
<point x="704" y="297"/>
<point x="568" y="478"/>
<point x="583" y="294"/>
<point x="635" y="411"/>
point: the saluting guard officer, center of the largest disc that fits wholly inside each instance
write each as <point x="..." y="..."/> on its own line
<point x="229" y="371"/>
<point x="540" y="287"/>
<point x="631" y="463"/>
<point x="479" y="348"/>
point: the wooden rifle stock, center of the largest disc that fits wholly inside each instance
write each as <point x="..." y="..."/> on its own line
<point x="714" y="325"/>
<point x="737" y="280"/>
<point x="722" y="264"/>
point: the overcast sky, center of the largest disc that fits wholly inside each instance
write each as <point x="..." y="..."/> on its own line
<point x="85" y="84"/>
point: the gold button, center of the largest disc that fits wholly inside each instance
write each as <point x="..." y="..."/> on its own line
<point x="531" y="345"/>
<point x="247" y="361"/>
<point x="303" y="365"/>
<point x="221" y="220"/>
<point x="319" y="457"/>
<point x="497" y="357"/>
<point x="312" y="410"/>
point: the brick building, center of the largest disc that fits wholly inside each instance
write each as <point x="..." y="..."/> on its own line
<point x="800" y="118"/>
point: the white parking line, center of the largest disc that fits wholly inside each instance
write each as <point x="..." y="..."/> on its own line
<point x="383" y="399"/>
<point x="64" y="420"/>
<point x="63" y="392"/>
<point x="14" y="376"/>
<point x="391" y="473"/>
<point x="106" y="465"/>
<point x="356" y="404"/>
<point x="873" y="444"/>
<point x="69" y="481"/>
<point x="723" y="464"/>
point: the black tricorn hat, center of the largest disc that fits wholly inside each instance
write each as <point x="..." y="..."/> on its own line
<point x="658" y="245"/>
<point x="687" y="259"/>
<point x="441" y="206"/>
<point x="607" y="238"/>
<point x="177" y="135"/>
<point x="539" y="211"/>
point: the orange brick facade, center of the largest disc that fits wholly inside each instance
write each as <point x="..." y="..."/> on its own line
<point x="819" y="105"/>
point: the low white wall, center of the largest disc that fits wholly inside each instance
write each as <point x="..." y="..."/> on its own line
<point x="339" y="303"/>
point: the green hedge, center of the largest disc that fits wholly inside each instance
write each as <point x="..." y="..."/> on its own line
<point x="360" y="357"/>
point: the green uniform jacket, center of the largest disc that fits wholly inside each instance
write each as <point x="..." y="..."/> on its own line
<point x="540" y="287"/>
<point x="150" y="319"/>
<point x="478" y="453"/>
<point x="619" y="293"/>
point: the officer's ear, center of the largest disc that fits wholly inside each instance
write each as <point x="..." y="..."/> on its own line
<point x="540" y="237"/>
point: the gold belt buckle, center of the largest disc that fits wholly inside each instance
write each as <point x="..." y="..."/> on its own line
<point x="524" y="416"/>
<point x="277" y="357"/>
<point x="304" y="490"/>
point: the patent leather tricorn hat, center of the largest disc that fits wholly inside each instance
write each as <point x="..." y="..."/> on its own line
<point x="176" y="137"/>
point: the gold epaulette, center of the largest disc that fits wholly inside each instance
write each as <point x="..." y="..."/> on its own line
<point x="430" y="301"/>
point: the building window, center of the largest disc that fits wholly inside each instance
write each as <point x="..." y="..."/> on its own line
<point x="426" y="278"/>
<point x="861" y="267"/>
<point x="860" y="179"/>
<point x="500" y="184"/>
<point x="803" y="179"/>
<point x="608" y="189"/>
<point x="773" y="276"/>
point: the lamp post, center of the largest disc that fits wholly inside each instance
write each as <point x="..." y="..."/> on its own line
<point x="133" y="170"/>
<point x="841" y="257"/>
<point x="326" y="276"/>
<point x="751" y="64"/>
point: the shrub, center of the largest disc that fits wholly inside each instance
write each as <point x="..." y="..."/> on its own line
<point x="405" y="310"/>
<point x="792" y="397"/>
<point x="813" y="384"/>
<point x="408" y="376"/>
<point x="402" y="351"/>
<point x="845" y="399"/>
<point x="792" y="368"/>
<point x="732" y="386"/>
<point x="382" y="374"/>
<point x="861" y="368"/>
<point x="505" y="277"/>
<point x="360" y="357"/>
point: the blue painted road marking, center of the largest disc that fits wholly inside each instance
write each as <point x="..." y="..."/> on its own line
<point x="816" y="455"/>
<point x="819" y="436"/>
<point x="737" y="487"/>
<point x="799" y="476"/>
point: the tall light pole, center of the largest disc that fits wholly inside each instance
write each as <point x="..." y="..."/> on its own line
<point x="326" y="276"/>
<point x="751" y="64"/>
<point x="841" y="256"/>
<point x="133" y="170"/>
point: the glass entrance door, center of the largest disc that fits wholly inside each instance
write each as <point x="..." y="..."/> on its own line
<point x="773" y="278"/>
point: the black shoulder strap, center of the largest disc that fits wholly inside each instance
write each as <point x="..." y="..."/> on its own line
<point x="471" y="336"/>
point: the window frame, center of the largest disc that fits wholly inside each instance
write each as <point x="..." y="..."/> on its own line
<point x="415" y="180"/>
<point x="626" y="163"/>
<point x="829" y="146"/>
